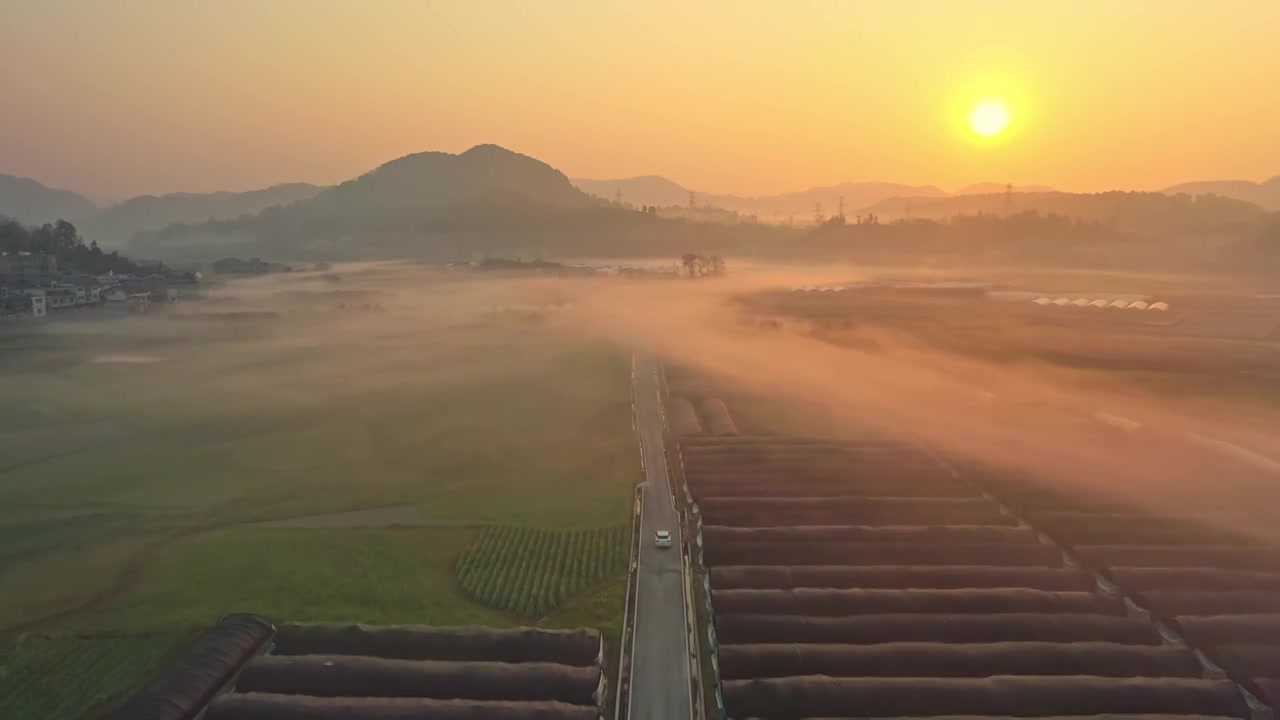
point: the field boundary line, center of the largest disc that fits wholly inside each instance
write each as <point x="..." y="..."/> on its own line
<point x="626" y="655"/>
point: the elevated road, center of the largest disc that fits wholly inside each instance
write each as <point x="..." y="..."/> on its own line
<point x="660" y="672"/>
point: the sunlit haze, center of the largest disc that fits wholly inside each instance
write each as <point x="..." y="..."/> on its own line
<point x="570" y="360"/>
<point x="748" y="97"/>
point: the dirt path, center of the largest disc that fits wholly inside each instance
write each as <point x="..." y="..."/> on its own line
<point x="127" y="580"/>
<point x="380" y="517"/>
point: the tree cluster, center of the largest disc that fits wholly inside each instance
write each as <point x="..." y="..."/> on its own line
<point x="63" y="241"/>
<point x="696" y="265"/>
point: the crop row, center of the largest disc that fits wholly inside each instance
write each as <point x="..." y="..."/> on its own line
<point x="531" y="571"/>
<point x="68" y="676"/>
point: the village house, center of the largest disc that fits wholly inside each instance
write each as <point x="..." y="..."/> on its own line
<point x="25" y="267"/>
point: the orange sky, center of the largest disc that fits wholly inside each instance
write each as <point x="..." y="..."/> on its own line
<point x="118" y="97"/>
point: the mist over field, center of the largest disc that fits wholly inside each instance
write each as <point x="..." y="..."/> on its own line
<point x="405" y="327"/>
<point x="1017" y="416"/>
<point x="291" y="394"/>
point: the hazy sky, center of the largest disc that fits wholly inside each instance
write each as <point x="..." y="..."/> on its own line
<point x="118" y="97"/>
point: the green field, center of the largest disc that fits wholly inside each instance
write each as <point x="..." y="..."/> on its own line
<point x="132" y="492"/>
<point x="65" y="676"/>
<point x="530" y="571"/>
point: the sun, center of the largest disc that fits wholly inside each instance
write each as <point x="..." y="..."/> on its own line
<point x="989" y="117"/>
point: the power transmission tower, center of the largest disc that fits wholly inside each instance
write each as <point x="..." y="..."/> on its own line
<point x="841" y="207"/>
<point x="692" y="203"/>
<point x="618" y="196"/>
<point x="817" y="213"/>
<point x="1008" y="198"/>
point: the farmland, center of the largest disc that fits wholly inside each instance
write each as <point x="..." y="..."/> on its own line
<point x="149" y="499"/>
<point x="865" y="573"/>
<point x="353" y="671"/>
<point x="530" y="572"/>
<point x="1216" y="347"/>
<point x="365" y="672"/>
<point x="1215" y="587"/>
<point x="67" y="675"/>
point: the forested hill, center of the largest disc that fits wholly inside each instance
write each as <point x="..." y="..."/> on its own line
<point x="419" y="203"/>
<point x="32" y="202"/>
<point x="117" y="224"/>
<point x="61" y="240"/>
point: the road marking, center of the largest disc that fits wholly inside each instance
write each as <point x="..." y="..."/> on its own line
<point x="1118" y="422"/>
<point x="1237" y="452"/>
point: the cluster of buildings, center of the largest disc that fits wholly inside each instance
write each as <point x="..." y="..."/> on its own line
<point x="31" y="284"/>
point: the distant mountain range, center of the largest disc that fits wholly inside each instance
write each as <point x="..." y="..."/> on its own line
<point x="117" y="224"/>
<point x="113" y="226"/>
<point x="1265" y="195"/>
<point x="987" y="188"/>
<point x="1136" y="211"/>
<point x="659" y="191"/>
<point x="643" y="190"/>
<point x="870" y="196"/>
<point x="489" y="200"/>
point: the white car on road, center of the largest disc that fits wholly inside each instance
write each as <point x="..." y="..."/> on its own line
<point x="662" y="538"/>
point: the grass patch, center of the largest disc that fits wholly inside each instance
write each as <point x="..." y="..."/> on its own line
<point x="63" y="677"/>
<point x="530" y="572"/>
<point x="25" y="540"/>
<point x="601" y="607"/>
<point x="372" y="576"/>
<point x="58" y="584"/>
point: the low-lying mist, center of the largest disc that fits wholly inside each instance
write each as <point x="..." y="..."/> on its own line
<point x="337" y="342"/>
<point x="1015" y="418"/>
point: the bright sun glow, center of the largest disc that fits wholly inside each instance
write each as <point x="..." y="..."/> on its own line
<point x="989" y="118"/>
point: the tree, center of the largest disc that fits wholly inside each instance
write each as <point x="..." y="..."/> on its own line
<point x="717" y="265"/>
<point x="63" y="241"/>
<point x="65" y="237"/>
<point x="42" y="240"/>
<point x="690" y="261"/>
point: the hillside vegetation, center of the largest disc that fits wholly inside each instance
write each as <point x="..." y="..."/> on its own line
<point x="33" y="203"/>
